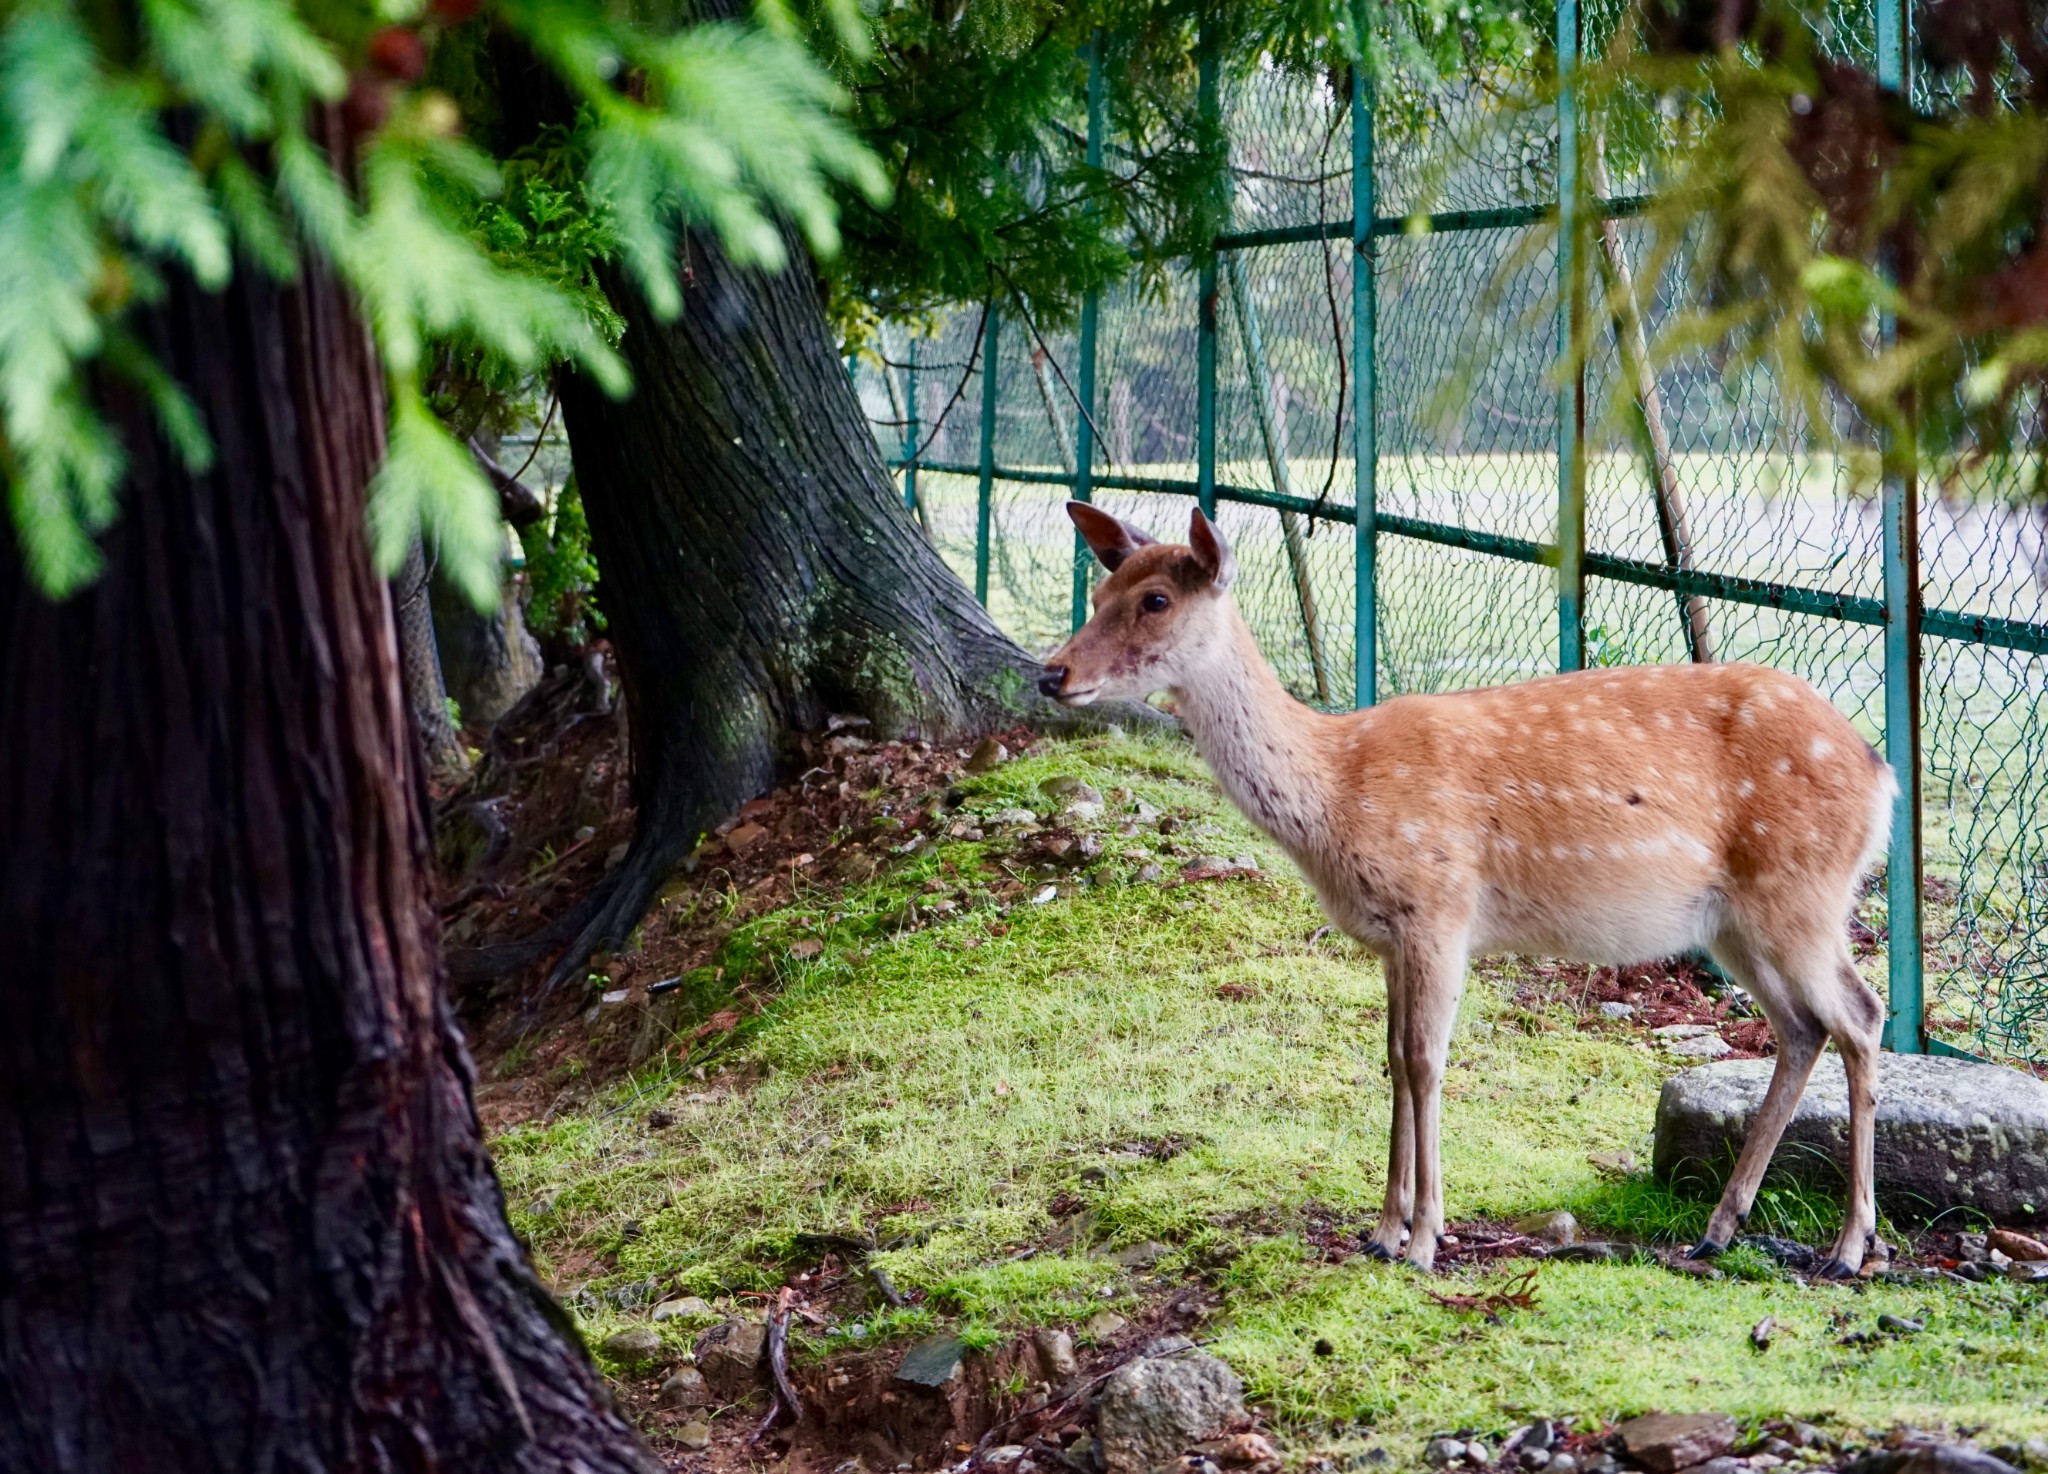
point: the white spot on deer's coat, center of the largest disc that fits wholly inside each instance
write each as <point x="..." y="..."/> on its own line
<point x="1760" y="827"/>
<point x="1822" y="749"/>
<point x="1784" y="767"/>
<point x="1508" y="842"/>
<point x="1411" y="830"/>
<point x="1745" y="788"/>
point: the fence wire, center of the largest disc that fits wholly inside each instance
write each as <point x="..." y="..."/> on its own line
<point x="1698" y="476"/>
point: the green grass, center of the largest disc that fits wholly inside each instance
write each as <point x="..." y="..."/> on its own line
<point x="949" y="1084"/>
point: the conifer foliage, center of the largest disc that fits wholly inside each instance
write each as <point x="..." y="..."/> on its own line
<point x="172" y="135"/>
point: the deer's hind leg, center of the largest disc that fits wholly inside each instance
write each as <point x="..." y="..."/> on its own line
<point x="1800" y="1035"/>
<point x="1398" y="1207"/>
<point x="1854" y="1018"/>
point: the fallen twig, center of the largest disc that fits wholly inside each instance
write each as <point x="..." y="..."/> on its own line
<point x="1518" y="1293"/>
<point x="778" y="1369"/>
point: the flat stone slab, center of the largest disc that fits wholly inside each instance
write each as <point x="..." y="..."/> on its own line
<point x="1950" y="1132"/>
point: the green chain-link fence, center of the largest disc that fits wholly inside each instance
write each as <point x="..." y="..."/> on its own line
<point x="1389" y="546"/>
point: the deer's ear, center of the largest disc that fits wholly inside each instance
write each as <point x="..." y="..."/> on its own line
<point x="1111" y="541"/>
<point x="1211" y="550"/>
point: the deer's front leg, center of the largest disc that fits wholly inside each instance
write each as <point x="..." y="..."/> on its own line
<point x="1399" y="1204"/>
<point x="1433" y="975"/>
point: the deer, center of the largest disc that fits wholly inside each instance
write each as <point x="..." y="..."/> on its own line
<point x="1610" y="816"/>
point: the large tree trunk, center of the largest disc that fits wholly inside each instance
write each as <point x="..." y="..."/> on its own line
<point x="759" y="569"/>
<point x="246" y="1217"/>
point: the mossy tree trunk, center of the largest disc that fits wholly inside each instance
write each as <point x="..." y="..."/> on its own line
<point x="246" y="1216"/>
<point x="759" y="569"/>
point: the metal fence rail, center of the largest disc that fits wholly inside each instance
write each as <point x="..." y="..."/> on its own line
<point x="1381" y="247"/>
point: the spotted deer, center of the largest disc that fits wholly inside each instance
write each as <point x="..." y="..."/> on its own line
<point x="1609" y="816"/>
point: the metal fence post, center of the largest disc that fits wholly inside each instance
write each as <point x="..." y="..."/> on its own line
<point x="910" y="428"/>
<point x="1364" y="374"/>
<point x="1091" y="307"/>
<point x="1571" y="400"/>
<point x="984" y="492"/>
<point x="1905" y="1030"/>
<point x="1205" y="334"/>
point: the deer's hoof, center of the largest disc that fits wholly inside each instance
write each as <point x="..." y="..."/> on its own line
<point x="1374" y="1249"/>
<point x="1835" y="1269"/>
<point x="1704" y="1250"/>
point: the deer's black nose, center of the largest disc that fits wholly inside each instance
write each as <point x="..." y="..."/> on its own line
<point x="1054" y="678"/>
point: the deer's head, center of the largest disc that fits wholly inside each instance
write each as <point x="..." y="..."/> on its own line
<point x="1159" y="616"/>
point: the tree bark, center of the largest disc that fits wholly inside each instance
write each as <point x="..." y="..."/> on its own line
<point x="419" y="661"/>
<point x="488" y="656"/>
<point x="246" y="1216"/>
<point x="759" y="569"/>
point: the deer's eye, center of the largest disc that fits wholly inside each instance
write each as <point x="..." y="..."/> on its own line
<point x="1153" y="602"/>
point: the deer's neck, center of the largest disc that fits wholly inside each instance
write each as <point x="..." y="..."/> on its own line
<point x="1259" y="741"/>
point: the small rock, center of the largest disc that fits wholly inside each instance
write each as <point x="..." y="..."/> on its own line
<point x="1898" y="1325"/>
<point x="686" y="1388"/>
<point x="1167" y="824"/>
<point x="1140" y="1256"/>
<point x="1565" y="1464"/>
<point x="1206" y="863"/>
<point x="1682" y="1031"/>
<point x="1044" y="894"/>
<point x="1477" y="1454"/>
<point x="1249" y="863"/>
<point x="1014" y="818"/>
<point x="633" y="1345"/>
<point x="1441" y="1453"/>
<point x="2027" y="1272"/>
<point x="1003" y="1455"/>
<point x="986" y="755"/>
<point x="1533" y="1458"/>
<point x="694" y="1434"/>
<point x="1241" y="1450"/>
<point x="933" y="1362"/>
<point x="746" y="837"/>
<point x="1614" y="1164"/>
<point x="1104" y="1324"/>
<point x="1148" y="874"/>
<point x="2017" y="1246"/>
<point x="1973" y="1248"/>
<point x="1618" y="1011"/>
<point x="683" y="1307"/>
<point x="1055" y="1353"/>
<point x="731" y="1355"/>
<point x="1155" y="1406"/>
<point x="1938" y="1458"/>
<point x="1667" y="1442"/>
<point x="616" y="855"/>
<point x="1706" y="1046"/>
<point x="1555" y="1227"/>
<point x="1724" y="1464"/>
<point x="617" y="995"/>
<point x="1538" y="1436"/>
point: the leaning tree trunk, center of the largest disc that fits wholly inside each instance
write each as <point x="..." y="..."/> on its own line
<point x="419" y="664"/>
<point x="759" y="569"/>
<point x="246" y="1217"/>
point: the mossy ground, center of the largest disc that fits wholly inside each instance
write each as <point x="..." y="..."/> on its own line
<point x="1190" y="1063"/>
